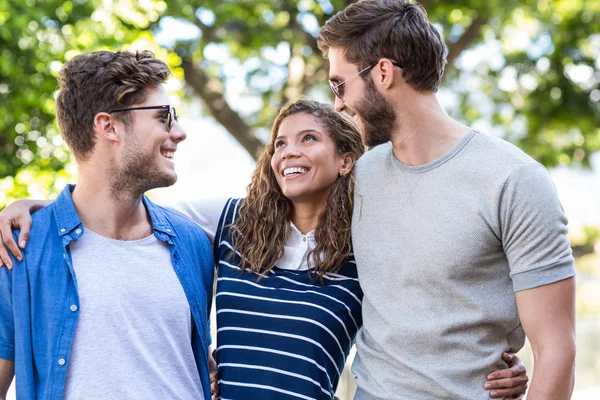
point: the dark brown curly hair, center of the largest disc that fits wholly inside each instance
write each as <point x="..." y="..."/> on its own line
<point x="261" y="228"/>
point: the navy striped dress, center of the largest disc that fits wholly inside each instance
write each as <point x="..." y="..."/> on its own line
<point x="284" y="336"/>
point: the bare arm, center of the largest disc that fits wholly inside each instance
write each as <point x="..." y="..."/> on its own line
<point x="16" y="216"/>
<point x="548" y="317"/>
<point x="7" y="372"/>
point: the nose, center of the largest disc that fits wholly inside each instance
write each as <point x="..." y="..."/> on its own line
<point x="290" y="151"/>
<point x="177" y="133"/>
<point x="339" y="104"/>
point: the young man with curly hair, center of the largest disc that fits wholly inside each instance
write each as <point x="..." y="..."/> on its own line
<point x="112" y="299"/>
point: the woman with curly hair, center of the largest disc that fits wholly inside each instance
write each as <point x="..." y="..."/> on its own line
<point x="288" y="299"/>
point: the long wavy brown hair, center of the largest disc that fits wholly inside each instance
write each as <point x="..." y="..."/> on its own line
<point x="263" y="223"/>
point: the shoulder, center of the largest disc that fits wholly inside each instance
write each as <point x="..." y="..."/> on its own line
<point x="46" y="213"/>
<point x="376" y="154"/>
<point x="499" y="152"/>
<point x="228" y="216"/>
<point x="232" y="207"/>
<point x="180" y="224"/>
<point x="373" y="158"/>
<point x="491" y="163"/>
<point x="43" y="222"/>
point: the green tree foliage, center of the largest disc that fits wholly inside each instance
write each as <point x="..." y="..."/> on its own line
<point x="36" y="36"/>
<point x="529" y="69"/>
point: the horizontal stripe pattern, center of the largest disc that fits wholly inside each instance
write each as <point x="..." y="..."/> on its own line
<point x="284" y="335"/>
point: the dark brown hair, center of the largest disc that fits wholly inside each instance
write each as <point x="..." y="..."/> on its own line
<point x="99" y="82"/>
<point x="261" y="229"/>
<point x="396" y="29"/>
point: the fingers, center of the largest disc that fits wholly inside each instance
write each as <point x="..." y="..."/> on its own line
<point x="507" y="383"/>
<point x="214" y="376"/>
<point x="4" y="258"/>
<point x="5" y="231"/>
<point x="508" y="357"/>
<point x="214" y="385"/>
<point x="7" y="243"/>
<point x="508" y="392"/>
<point x="513" y="361"/>
<point x="24" y="224"/>
<point x="517" y="370"/>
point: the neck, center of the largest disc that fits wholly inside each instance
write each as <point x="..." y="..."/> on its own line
<point x="122" y="218"/>
<point x="424" y="132"/>
<point x="306" y="215"/>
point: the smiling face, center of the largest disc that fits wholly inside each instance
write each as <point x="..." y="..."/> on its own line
<point x="146" y="159"/>
<point x="373" y="114"/>
<point x="305" y="160"/>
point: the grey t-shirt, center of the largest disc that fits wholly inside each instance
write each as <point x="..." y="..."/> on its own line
<point x="133" y="335"/>
<point x="440" y="250"/>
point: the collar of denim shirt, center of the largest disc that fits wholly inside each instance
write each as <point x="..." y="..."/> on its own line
<point x="68" y="220"/>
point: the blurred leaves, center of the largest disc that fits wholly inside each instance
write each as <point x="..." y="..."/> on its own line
<point x="538" y="82"/>
<point x="35" y="38"/>
<point x="527" y="70"/>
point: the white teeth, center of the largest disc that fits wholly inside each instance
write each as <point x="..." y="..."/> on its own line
<point x="167" y="154"/>
<point x="294" y="170"/>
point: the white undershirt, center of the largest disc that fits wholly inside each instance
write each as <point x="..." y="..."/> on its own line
<point x="207" y="213"/>
<point x="136" y="331"/>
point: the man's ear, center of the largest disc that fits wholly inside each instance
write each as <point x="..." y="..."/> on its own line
<point x="385" y="73"/>
<point x="105" y="125"/>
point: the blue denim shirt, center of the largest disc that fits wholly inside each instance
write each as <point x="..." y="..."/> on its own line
<point x="39" y="301"/>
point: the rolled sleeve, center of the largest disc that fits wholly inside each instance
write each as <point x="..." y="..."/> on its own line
<point x="534" y="229"/>
<point x="543" y="276"/>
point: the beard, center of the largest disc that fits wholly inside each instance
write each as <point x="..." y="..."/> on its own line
<point x="137" y="171"/>
<point x="376" y="115"/>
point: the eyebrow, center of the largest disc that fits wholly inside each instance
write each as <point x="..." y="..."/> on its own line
<point x="302" y="132"/>
<point x="309" y="131"/>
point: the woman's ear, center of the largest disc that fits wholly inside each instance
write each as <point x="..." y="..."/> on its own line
<point x="348" y="160"/>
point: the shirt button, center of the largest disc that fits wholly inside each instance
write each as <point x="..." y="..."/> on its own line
<point x="73" y="308"/>
<point x="65" y="256"/>
<point x="78" y="231"/>
<point x="62" y="229"/>
<point x="168" y="230"/>
<point x="61" y="361"/>
<point x="304" y="239"/>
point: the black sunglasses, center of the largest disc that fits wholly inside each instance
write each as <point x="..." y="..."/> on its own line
<point x="338" y="88"/>
<point x="171" y="113"/>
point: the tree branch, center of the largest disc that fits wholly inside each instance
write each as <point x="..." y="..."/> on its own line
<point x="207" y="31"/>
<point x="211" y="91"/>
<point x="472" y="32"/>
<point x="295" y="84"/>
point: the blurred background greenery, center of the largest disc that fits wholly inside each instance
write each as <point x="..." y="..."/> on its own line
<point x="526" y="70"/>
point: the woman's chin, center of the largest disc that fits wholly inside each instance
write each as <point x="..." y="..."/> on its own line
<point x="305" y="197"/>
